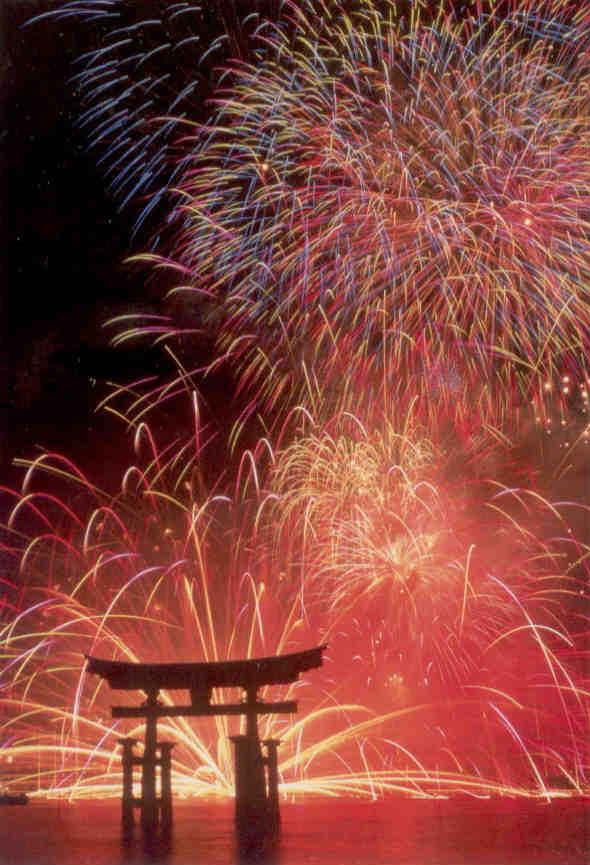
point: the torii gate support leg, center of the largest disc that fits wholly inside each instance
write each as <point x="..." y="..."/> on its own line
<point x="127" y="759"/>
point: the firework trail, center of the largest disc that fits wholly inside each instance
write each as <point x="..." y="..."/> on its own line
<point x="389" y="197"/>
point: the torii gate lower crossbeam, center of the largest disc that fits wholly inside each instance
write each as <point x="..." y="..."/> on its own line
<point x="257" y="799"/>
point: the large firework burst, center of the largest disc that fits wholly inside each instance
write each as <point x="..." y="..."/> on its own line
<point x="340" y="533"/>
<point x="393" y="195"/>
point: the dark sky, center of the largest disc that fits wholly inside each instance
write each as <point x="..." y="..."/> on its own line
<point x="62" y="269"/>
<point x="64" y="242"/>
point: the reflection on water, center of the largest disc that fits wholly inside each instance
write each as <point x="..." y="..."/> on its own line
<point x="320" y="832"/>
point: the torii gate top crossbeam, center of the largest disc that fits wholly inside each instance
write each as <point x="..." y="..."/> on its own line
<point x="202" y="676"/>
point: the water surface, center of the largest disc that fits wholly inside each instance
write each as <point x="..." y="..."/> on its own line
<point x="315" y="832"/>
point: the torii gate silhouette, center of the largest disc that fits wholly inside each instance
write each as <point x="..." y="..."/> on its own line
<point x="256" y="781"/>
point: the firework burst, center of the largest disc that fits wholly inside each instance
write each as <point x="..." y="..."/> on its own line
<point x="338" y="533"/>
<point x="386" y="197"/>
<point x="382" y="527"/>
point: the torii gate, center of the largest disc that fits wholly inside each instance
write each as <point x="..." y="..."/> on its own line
<point x="257" y="799"/>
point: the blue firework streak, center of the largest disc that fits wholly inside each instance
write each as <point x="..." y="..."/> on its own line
<point x="144" y="83"/>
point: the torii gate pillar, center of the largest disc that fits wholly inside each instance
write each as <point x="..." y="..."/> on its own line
<point x="250" y="781"/>
<point x="257" y="792"/>
<point x="166" y="792"/>
<point x="149" y="804"/>
<point x="272" y="763"/>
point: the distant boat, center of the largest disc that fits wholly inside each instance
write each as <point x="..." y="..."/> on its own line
<point x="13" y="798"/>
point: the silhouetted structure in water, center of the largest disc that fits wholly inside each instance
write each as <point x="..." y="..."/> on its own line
<point x="13" y="799"/>
<point x="257" y="777"/>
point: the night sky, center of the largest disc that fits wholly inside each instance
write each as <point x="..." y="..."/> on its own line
<point x="62" y="270"/>
<point x="63" y="266"/>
